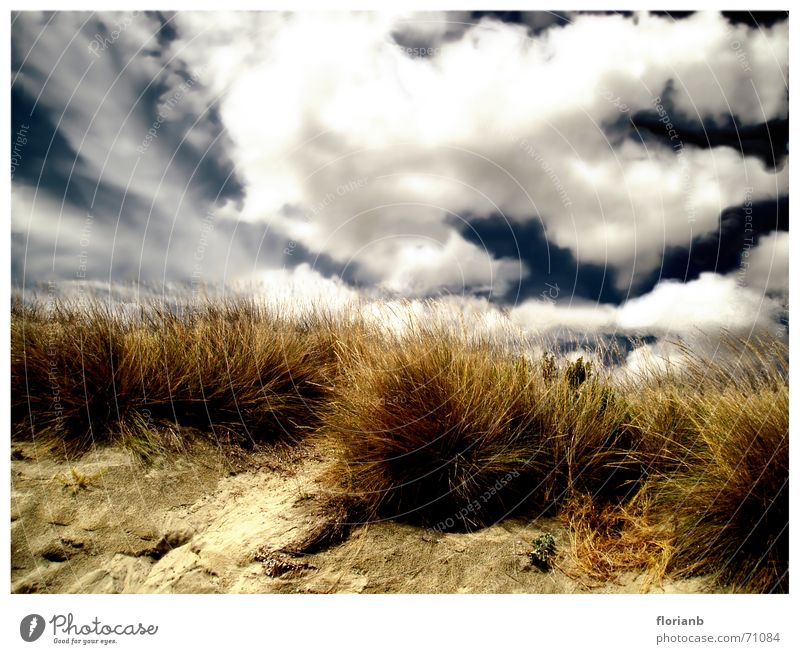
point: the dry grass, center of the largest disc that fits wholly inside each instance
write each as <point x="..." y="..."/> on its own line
<point x="714" y="442"/>
<point x="91" y="375"/>
<point x="434" y="431"/>
<point x="78" y="481"/>
<point x="728" y="498"/>
<point x="679" y="471"/>
<point x="608" y="539"/>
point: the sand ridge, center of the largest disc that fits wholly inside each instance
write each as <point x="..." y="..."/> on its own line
<point x="208" y="521"/>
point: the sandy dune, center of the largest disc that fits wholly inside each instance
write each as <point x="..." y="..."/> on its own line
<point x="211" y="522"/>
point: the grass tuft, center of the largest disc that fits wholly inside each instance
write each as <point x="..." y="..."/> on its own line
<point x="90" y="375"/>
<point x="453" y="435"/>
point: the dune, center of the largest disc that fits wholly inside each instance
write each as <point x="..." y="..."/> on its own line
<point x="211" y="522"/>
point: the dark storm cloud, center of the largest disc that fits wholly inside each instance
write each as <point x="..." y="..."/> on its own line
<point x="675" y="15"/>
<point x="380" y="150"/>
<point x="722" y="252"/>
<point x="553" y="270"/>
<point x="535" y="21"/>
<point x="296" y="255"/>
<point x="769" y="141"/>
<point x="540" y="20"/>
<point x="167" y="33"/>
<point x="108" y="80"/>
<point x="756" y="18"/>
<point x="47" y="155"/>
<point x="551" y="266"/>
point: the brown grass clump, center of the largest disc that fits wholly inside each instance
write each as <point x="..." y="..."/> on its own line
<point x="454" y="436"/>
<point x="714" y="440"/>
<point x="729" y="499"/>
<point x="93" y="374"/>
<point x="608" y="539"/>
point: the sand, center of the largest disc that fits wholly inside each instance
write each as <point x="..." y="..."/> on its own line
<point x="212" y="522"/>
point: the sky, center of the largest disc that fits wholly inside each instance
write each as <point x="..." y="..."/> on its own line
<point x="604" y="173"/>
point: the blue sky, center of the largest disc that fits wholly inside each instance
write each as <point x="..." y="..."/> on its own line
<point x="618" y="173"/>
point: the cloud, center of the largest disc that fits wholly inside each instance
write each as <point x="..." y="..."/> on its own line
<point x="299" y="291"/>
<point x="138" y="154"/>
<point x="712" y="303"/>
<point x="494" y="123"/>
<point x="327" y="137"/>
<point x="542" y="316"/>
<point x="765" y="267"/>
<point x="652" y="359"/>
<point x="411" y="267"/>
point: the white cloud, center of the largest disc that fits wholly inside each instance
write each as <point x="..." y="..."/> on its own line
<point x="652" y="359"/>
<point x="538" y="316"/>
<point x="712" y="303"/>
<point x="765" y="267"/>
<point x="415" y="267"/>
<point x="373" y="158"/>
<point x="315" y="101"/>
<point x="299" y="291"/>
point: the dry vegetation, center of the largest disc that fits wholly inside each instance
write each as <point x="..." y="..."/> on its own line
<point x="678" y="471"/>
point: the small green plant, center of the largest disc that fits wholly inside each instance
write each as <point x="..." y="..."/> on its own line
<point x="578" y="372"/>
<point x="549" y="367"/>
<point x="543" y="552"/>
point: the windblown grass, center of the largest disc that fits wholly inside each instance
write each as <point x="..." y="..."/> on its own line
<point x="434" y="431"/>
<point x="715" y="501"/>
<point x="681" y="470"/>
<point x="93" y="374"/>
<point x="727" y="499"/>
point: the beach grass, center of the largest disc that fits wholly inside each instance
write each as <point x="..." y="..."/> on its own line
<point x="678" y="469"/>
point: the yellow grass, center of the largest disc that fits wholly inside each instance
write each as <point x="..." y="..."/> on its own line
<point x="677" y="471"/>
